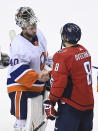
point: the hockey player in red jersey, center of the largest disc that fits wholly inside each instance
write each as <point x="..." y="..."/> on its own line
<point x="71" y="84"/>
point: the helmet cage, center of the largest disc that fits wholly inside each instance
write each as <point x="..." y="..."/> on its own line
<point x="25" y="17"/>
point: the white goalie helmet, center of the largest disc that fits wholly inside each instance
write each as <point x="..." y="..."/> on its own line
<point x="25" y="17"/>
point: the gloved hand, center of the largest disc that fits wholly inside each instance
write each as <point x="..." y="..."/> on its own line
<point x="49" y="109"/>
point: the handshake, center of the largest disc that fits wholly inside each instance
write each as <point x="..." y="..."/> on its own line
<point x="44" y="76"/>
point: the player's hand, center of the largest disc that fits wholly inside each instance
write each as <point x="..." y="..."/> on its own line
<point x="43" y="76"/>
<point x="49" y="110"/>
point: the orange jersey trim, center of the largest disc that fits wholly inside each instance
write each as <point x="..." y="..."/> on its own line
<point x="17" y="104"/>
<point x="23" y="88"/>
<point x="28" y="78"/>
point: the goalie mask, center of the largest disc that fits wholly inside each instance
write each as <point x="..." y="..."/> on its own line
<point x="70" y="33"/>
<point x="25" y="17"/>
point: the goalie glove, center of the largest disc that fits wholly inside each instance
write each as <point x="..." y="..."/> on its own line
<point x="50" y="110"/>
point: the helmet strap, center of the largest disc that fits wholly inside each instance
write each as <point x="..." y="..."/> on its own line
<point x="63" y="38"/>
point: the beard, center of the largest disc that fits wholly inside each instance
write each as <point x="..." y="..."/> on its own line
<point x="30" y="35"/>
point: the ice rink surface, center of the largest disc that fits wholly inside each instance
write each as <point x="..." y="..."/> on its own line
<point x="52" y="15"/>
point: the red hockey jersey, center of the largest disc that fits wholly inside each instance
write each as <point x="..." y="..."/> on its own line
<point x="71" y="80"/>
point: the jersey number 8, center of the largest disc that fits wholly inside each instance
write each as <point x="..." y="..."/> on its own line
<point x="88" y="72"/>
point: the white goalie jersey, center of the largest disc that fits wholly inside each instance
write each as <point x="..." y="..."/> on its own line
<point x="26" y="61"/>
